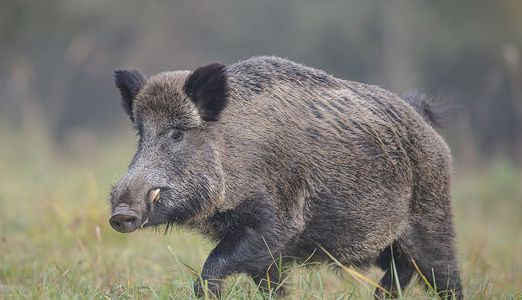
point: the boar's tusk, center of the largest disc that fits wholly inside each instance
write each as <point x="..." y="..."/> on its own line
<point x="154" y="195"/>
<point x="144" y="223"/>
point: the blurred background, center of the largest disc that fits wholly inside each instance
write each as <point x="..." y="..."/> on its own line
<point x="64" y="138"/>
<point x="57" y="56"/>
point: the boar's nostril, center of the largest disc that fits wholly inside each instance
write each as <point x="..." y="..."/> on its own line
<point x="124" y="222"/>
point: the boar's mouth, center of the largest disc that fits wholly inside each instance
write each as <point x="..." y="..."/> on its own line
<point x="158" y="208"/>
<point x="126" y="218"/>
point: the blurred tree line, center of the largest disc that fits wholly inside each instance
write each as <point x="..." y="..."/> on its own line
<point x="57" y="56"/>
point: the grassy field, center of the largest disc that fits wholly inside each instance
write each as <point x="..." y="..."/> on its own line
<point x="55" y="240"/>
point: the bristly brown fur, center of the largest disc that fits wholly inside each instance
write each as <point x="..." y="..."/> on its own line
<point x="277" y="158"/>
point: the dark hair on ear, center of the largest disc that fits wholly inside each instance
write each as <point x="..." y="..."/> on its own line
<point x="206" y="86"/>
<point x="129" y="82"/>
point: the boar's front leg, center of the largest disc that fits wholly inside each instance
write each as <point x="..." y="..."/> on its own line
<point x="246" y="250"/>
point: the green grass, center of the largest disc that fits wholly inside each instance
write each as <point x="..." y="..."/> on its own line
<point x="55" y="241"/>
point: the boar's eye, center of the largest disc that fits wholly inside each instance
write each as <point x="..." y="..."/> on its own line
<point x="176" y="135"/>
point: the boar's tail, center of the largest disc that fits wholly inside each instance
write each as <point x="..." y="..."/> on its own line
<point x="433" y="113"/>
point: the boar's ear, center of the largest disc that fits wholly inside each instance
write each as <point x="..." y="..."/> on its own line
<point x="206" y="86"/>
<point x="129" y="82"/>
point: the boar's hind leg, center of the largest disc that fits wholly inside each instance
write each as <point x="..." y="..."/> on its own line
<point x="243" y="251"/>
<point x="431" y="245"/>
<point x="394" y="262"/>
<point x="270" y="280"/>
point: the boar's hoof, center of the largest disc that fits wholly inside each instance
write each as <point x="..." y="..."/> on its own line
<point x="211" y="288"/>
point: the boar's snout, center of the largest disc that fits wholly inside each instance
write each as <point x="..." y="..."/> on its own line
<point x="124" y="219"/>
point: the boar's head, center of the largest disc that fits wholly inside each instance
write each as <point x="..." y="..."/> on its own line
<point x="176" y="172"/>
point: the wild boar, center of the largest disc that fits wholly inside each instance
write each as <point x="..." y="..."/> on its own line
<point x="272" y="159"/>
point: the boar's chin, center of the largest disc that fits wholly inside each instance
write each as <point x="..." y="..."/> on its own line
<point x="179" y="212"/>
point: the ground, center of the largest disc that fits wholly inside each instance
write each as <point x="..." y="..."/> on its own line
<point x="55" y="240"/>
